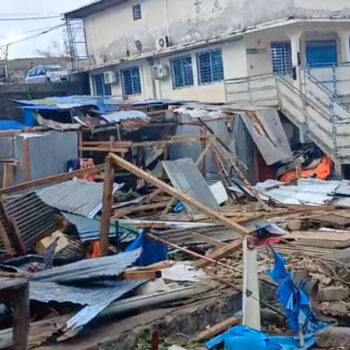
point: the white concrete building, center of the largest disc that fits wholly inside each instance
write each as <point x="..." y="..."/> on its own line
<point x="290" y="54"/>
<point x="200" y="43"/>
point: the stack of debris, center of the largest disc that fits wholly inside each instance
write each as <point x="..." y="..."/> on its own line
<point x="167" y="229"/>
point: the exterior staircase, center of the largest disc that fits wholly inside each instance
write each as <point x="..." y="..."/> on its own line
<point x="308" y="104"/>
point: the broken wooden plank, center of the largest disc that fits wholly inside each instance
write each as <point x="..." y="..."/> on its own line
<point x="220" y="253"/>
<point x="139" y="275"/>
<point x="209" y="240"/>
<point x="133" y="209"/>
<point x="107" y="202"/>
<point x="177" y="194"/>
<point x="51" y="180"/>
<point x="217" y="329"/>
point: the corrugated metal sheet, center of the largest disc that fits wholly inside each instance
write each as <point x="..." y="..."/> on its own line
<point x="96" y="299"/>
<point x="32" y="218"/>
<point x="90" y="269"/>
<point x="7" y="148"/>
<point x="245" y="148"/>
<point x="116" y="117"/>
<point x="185" y="176"/>
<point x="47" y="292"/>
<point x="266" y="130"/>
<point x="49" y="153"/>
<point x="88" y="229"/>
<point x="76" y="196"/>
<point x="83" y="317"/>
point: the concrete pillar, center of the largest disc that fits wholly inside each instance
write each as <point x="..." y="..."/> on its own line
<point x="344" y="38"/>
<point x="294" y="37"/>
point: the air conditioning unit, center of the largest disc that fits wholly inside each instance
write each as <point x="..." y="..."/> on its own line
<point x="160" y="71"/>
<point x="162" y="42"/>
<point x="111" y="77"/>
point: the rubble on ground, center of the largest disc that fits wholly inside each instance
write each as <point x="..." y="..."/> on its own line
<point x="167" y="221"/>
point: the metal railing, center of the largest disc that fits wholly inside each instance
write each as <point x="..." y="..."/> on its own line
<point x="258" y="90"/>
<point x="336" y="79"/>
<point x="312" y="108"/>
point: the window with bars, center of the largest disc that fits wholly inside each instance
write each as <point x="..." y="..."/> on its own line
<point x="182" y="73"/>
<point x="136" y="11"/>
<point x="210" y="67"/>
<point x="131" y="81"/>
<point x="102" y="89"/>
<point x="282" y="58"/>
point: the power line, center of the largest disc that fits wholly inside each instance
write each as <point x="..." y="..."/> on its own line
<point x="32" y="36"/>
<point x="30" y="18"/>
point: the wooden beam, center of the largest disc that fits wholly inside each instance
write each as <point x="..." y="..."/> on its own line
<point x="217" y="329"/>
<point x="8" y="174"/>
<point x="51" y="180"/>
<point x="135" y="275"/>
<point x="107" y="203"/>
<point x="222" y="252"/>
<point x="208" y="240"/>
<point x="26" y="160"/>
<point x="133" y="209"/>
<point x="177" y="194"/>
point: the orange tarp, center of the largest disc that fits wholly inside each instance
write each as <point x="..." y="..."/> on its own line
<point x="323" y="171"/>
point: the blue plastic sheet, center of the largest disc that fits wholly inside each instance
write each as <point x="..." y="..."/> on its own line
<point x="152" y="252"/>
<point x="241" y="337"/>
<point x="294" y="300"/>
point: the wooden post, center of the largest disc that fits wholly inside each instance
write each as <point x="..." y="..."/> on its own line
<point x="107" y="203"/>
<point x="8" y="174"/>
<point x="21" y="318"/>
<point x="177" y="194"/>
<point x="26" y="160"/>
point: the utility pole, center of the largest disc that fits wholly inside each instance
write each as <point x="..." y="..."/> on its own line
<point x="6" y="62"/>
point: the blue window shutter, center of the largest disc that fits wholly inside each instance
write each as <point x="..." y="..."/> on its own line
<point x="182" y="73"/>
<point x="210" y="67"/>
<point x="321" y="53"/>
<point x="131" y="81"/>
<point x="136" y="83"/>
<point x="217" y="64"/>
<point x="281" y="54"/>
<point x="99" y="82"/>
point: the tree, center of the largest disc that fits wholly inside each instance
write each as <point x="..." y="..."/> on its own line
<point x="54" y="49"/>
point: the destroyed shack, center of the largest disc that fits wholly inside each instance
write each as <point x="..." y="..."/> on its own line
<point x="169" y="225"/>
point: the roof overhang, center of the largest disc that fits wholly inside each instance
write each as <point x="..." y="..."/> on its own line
<point x="92" y="8"/>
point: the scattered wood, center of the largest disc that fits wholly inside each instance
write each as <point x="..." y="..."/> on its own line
<point x="177" y="194"/>
<point x="217" y="329"/>
<point x="107" y="203"/>
<point x="220" y="253"/>
<point x="51" y="180"/>
<point x="141" y="275"/>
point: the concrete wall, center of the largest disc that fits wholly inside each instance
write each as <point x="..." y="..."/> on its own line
<point x="111" y="34"/>
<point x="234" y="63"/>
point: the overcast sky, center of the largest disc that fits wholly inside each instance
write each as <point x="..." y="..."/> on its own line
<point x="14" y="30"/>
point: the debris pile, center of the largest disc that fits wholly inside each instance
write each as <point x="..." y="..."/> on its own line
<point x="150" y="230"/>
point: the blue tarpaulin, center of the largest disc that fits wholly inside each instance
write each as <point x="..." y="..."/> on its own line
<point x="152" y="252"/>
<point x="242" y="337"/>
<point x="8" y="124"/>
<point x="294" y="300"/>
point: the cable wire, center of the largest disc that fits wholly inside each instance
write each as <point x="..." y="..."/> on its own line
<point x="32" y="36"/>
<point x="29" y="18"/>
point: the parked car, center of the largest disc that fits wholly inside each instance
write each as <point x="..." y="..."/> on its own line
<point x="47" y="74"/>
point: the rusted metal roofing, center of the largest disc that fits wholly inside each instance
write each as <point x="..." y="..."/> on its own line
<point x="32" y="220"/>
